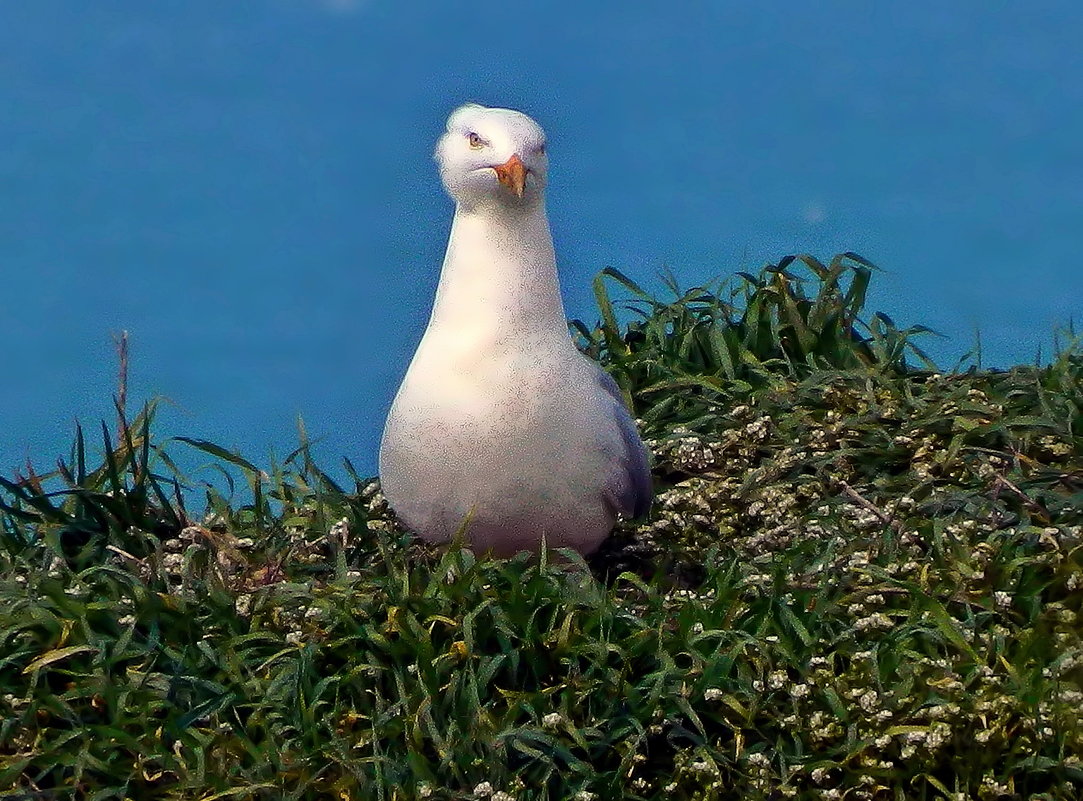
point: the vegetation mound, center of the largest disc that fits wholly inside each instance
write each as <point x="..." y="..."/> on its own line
<point x="861" y="579"/>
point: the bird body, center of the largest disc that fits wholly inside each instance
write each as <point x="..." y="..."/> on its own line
<point x="501" y="427"/>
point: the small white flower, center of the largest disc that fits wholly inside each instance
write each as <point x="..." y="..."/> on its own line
<point x="172" y="561"/>
<point x="868" y="700"/>
<point x="713" y="694"/>
<point x="552" y="720"/>
<point x="341" y="530"/>
<point x="484" y="790"/>
<point x="875" y="621"/>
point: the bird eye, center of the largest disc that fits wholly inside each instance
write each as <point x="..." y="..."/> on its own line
<point x="475" y="141"/>
<point x="540" y="149"/>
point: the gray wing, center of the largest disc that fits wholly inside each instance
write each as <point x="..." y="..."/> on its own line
<point x="630" y="490"/>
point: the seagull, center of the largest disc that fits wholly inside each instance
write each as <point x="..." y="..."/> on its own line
<point x="502" y="429"/>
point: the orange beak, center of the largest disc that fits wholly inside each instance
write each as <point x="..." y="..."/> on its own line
<point x="512" y="174"/>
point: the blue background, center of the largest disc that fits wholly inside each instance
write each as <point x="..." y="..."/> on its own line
<point x="248" y="187"/>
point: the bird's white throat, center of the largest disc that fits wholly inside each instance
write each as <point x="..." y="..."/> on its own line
<point x="499" y="276"/>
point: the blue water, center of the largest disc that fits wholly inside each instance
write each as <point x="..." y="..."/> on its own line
<point x="248" y="188"/>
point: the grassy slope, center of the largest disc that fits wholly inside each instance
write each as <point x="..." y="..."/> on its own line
<point x="860" y="580"/>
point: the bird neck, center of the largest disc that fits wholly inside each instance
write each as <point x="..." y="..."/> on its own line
<point x="500" y="275"/>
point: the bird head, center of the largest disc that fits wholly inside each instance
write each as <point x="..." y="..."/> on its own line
<point x="492" y="156"/>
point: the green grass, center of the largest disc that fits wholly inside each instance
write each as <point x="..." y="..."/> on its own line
<point x="861" y="579"/>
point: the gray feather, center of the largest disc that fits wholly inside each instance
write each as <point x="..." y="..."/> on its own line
<point x="632" y="490"/>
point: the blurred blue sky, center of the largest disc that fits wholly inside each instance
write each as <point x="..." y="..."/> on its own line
<point x="248" y="188"/>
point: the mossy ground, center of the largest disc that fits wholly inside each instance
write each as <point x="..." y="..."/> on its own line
<point x="860" y="580"/>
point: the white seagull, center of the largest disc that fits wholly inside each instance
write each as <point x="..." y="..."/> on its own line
<point x="502" y="428"/>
